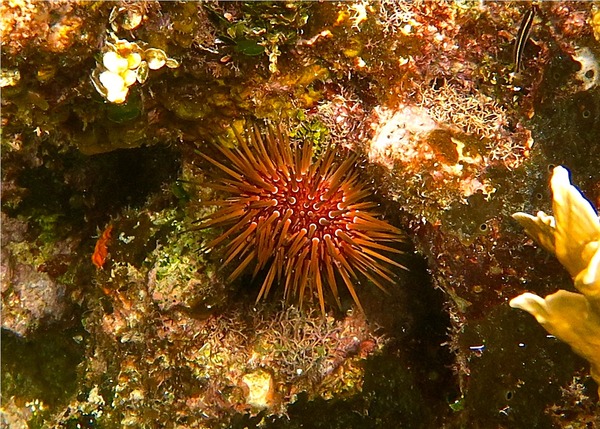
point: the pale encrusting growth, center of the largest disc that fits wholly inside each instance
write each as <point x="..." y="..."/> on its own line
<point x="573" y="235"/>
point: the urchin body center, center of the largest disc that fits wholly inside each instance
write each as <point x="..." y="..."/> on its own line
<point x="313" y="211"/>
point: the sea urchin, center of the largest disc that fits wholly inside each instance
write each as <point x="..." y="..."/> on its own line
<point x="306" y="222"/>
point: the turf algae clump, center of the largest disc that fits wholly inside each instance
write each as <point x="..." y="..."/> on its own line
<point x="260" y="28"/>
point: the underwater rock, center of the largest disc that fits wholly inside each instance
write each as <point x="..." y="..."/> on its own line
<point x="260" y="389"/>
<point x="30" y="297"/>
<point x="533" y="366"/>
<point x="12" y="416"/>
<point x="167" y="343"/>
<point x="180" y="279"/>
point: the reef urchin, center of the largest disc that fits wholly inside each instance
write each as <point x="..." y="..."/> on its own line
<point x="306" y="221"/>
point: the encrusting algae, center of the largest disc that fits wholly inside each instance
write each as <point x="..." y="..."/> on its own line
<point x="573" y="235"/>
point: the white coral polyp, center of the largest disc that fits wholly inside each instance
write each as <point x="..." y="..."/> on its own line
<point x="117" y="97"/>
<point x="130" y="77"/>
<point x="134" y="60"/>
<point x="116" y="88"/>
<point x="112" y="81"/>
<point x="114" y="62"/>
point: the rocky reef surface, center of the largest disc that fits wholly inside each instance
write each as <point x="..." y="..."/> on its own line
<point x="116" y="314"/>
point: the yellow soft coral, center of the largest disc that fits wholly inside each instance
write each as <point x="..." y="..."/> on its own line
<point x="573" y="235"/>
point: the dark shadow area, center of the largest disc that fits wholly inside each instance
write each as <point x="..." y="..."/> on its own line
<point x="567" y="124"/>
<point x="516" y="370"/>
<point x="80" y="192"/>
<point x="129" y="176"/>
<point x="44" y="366"/>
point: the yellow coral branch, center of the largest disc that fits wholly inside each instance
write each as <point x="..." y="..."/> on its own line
<point x="573" y="235"/>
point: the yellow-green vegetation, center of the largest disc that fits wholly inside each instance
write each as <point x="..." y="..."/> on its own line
<point x="261" y="27"/>
<point x="573" y="235"/>
<point x="180" y="276"/>
<point x="311" y="130"/>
